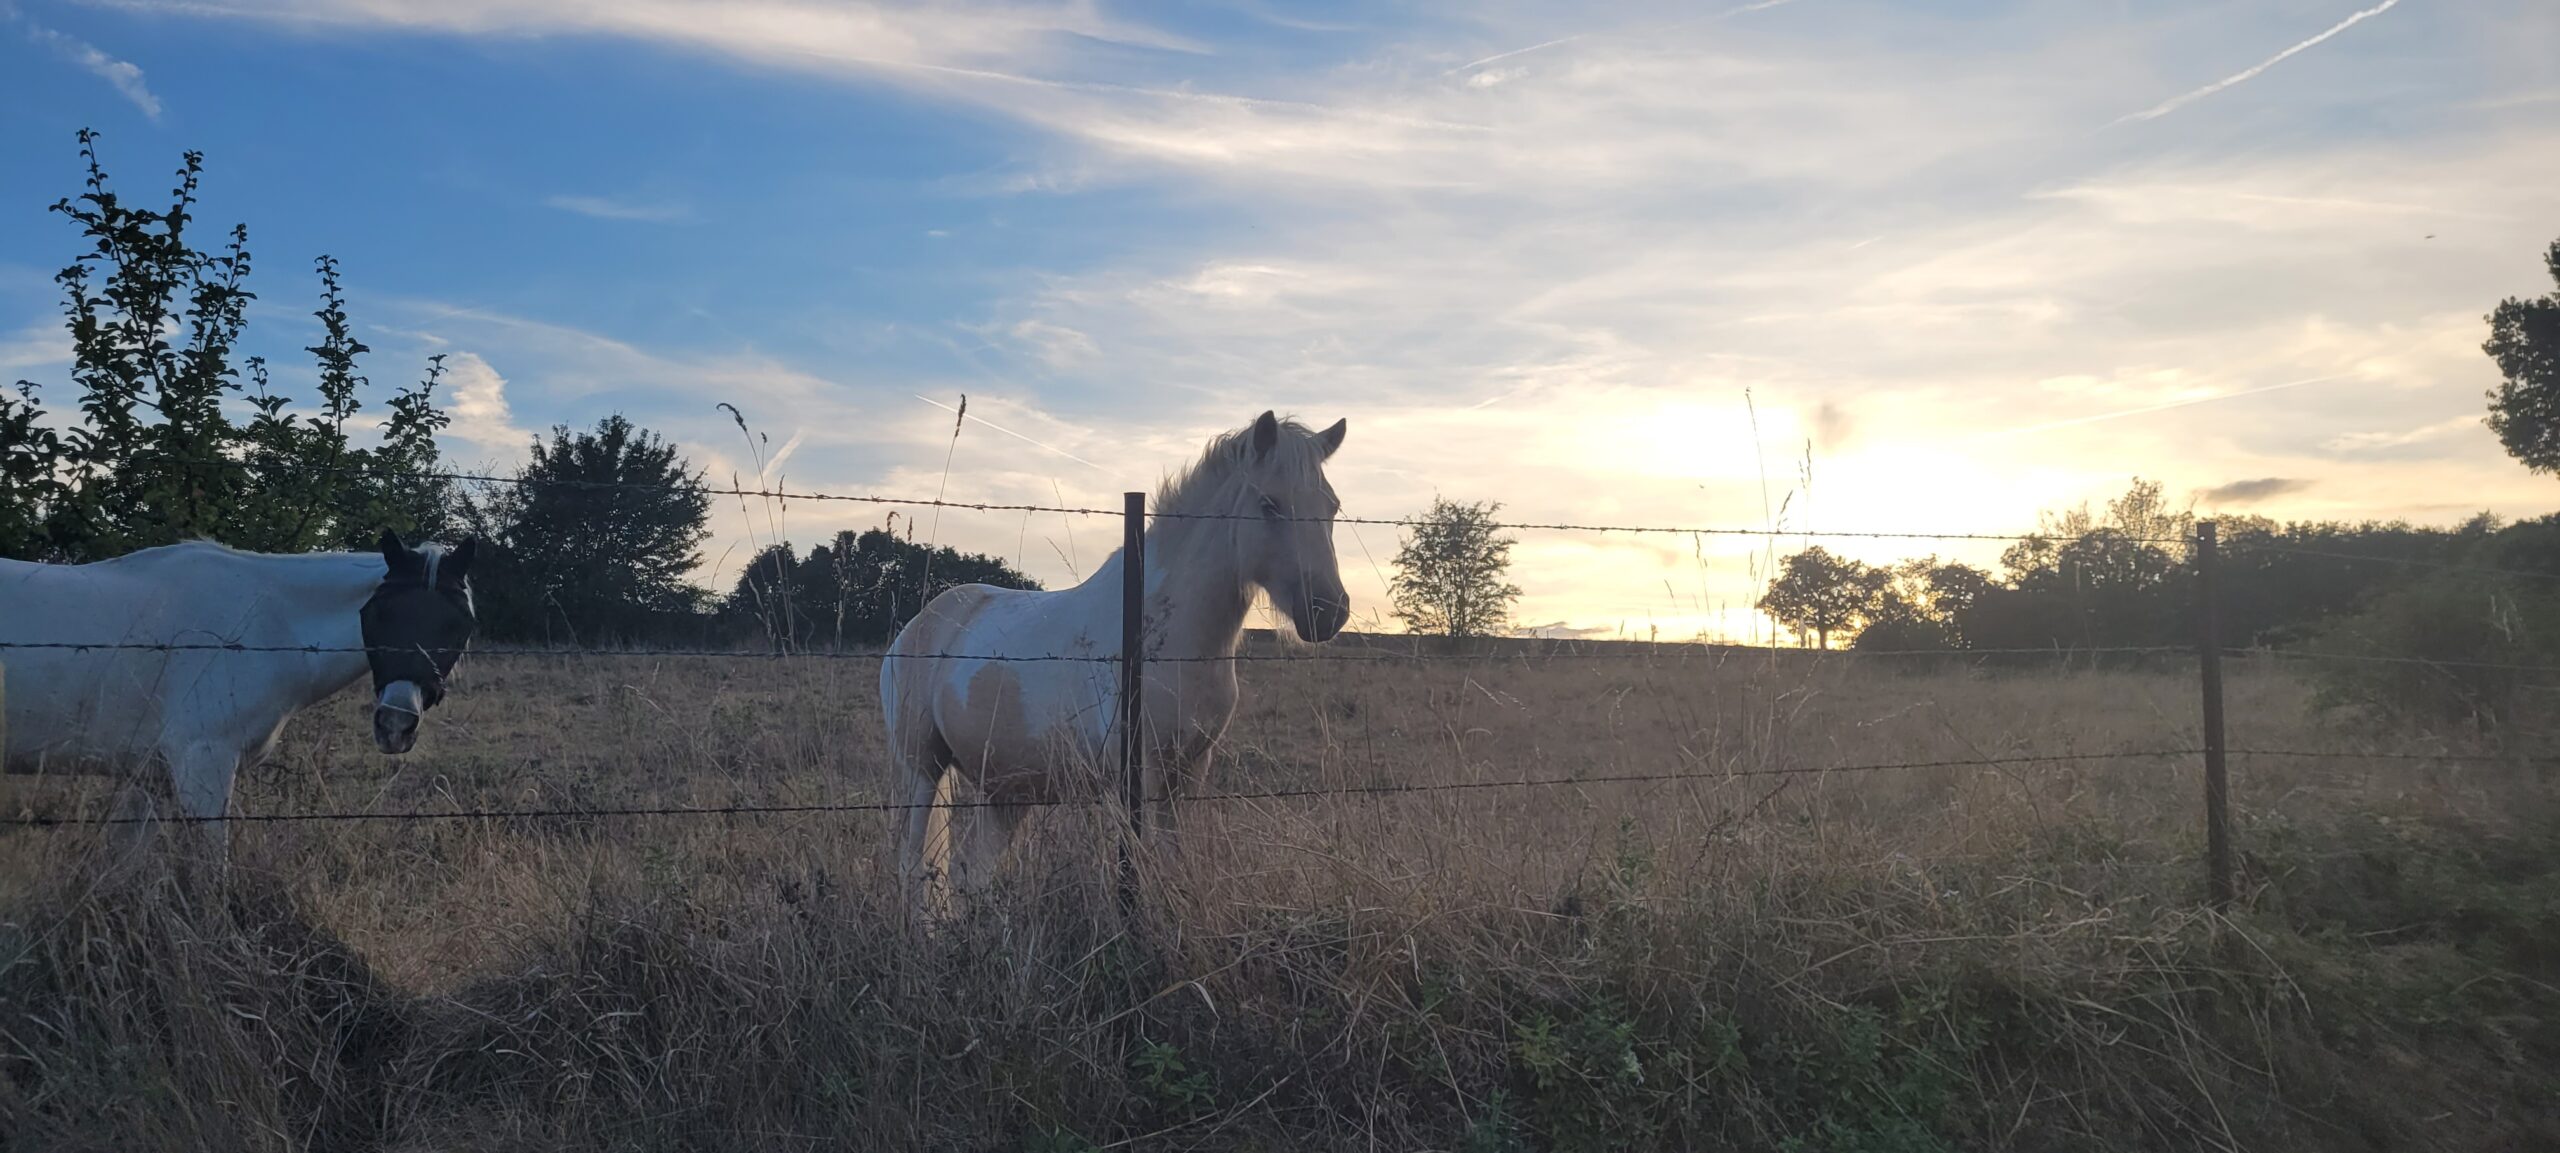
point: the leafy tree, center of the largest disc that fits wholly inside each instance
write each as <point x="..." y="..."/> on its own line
<point x="2114" y="579"/>
<point x="593" y="539"/>
<point x="1817" y="594"/>
<point x="1449" y="574"/>
<point x="154" y="454"/>
<point x="859" y="588"/>
<point x="2524" y="410"/>
<point x="29" y="486"/>
<point x="1921" y="604"/>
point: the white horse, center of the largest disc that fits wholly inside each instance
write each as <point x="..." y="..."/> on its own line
<point x="173" y="695"/>
<point x="1255" y="513"/>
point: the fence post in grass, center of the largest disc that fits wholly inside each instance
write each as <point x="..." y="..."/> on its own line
<point x="2217" y="784"/>
<point x="1133" y="637"/>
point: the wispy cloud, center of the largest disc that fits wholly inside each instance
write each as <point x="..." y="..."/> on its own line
<point x="1057" y="345"/>
<point x="606" y="208"/>
<point x="125" y="76"/>
<point x="36" y="346"/>
<point x="1611" y="241"/>
<point x="2245" y="75"/>
<point x="2365" y="442"/>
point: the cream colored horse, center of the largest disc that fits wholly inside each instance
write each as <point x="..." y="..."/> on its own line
<point x="1255" y="513"/>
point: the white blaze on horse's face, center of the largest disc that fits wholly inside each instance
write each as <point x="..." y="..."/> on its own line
<point x="1287" y="552"/>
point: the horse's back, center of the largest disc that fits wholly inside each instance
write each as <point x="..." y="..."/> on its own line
<point x="975" y="679"/>
<point x="70" y="705"/>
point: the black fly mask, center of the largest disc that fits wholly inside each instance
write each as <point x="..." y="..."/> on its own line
<point x="416" y="626"/>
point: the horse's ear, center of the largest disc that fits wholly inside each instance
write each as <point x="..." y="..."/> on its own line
<point x="1266" y="434"/>
<point x="1331" y="438"/>
<point x="456" y="566"/>
<point x="392" y="550"/>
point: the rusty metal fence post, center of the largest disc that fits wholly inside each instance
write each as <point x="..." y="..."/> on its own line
<point x="2217" y="784"/>
<point x="1133" y="640"/>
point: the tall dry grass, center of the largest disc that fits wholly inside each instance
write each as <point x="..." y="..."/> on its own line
<point x="2009" y="957"/>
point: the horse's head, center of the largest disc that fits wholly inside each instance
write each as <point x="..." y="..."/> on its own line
<point x="415" y="628"/>
<point x="1284" y="533"/>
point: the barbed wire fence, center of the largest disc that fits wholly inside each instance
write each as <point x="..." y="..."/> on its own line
<point x="2204" y="553"/>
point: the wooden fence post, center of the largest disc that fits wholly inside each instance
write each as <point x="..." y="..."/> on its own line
<point x="1133" y="640"/>
<point x="2217" y="784"/>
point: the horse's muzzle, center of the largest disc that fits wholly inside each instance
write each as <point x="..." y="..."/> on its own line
<point x="1322" y="619"/>
<point x="395" y="717"/>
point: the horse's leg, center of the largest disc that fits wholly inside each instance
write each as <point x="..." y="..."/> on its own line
<point x="133" y="814"/>
<point x="919" y="780"/>
<point x="990" y="832"/>
<point x="200" y="778"/>
<point x="1175" y="783"/>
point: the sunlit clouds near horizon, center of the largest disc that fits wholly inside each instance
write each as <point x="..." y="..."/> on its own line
<point x="1803" y="266"/>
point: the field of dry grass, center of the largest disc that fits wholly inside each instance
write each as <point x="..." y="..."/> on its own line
<point x="2007" y="957"/>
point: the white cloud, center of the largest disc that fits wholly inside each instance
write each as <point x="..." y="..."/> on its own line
<point x="606" y="208"/>
<point x="476" y="399"/>
<point x="1549" y="279"/>
<point x="798" y="34"/>
<point x="123" y="75"/>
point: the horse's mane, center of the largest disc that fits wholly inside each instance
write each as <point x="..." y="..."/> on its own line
<point x="1199" y="489"/>
<point x="434" y="551"/>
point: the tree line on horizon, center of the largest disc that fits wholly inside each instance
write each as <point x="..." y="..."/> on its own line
<point x="2468" y="615"/>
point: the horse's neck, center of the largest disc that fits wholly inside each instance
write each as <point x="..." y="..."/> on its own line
<point x="1196" y="602"/>
<point x="319" y="598"/>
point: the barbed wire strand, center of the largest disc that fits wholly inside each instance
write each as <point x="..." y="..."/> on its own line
<point x="1360" y="656"/>
<point x="788" y="495"/>
<point x="1635" y="651"/>
<point x="41" y="821"/>
<point x="595" y="813"/>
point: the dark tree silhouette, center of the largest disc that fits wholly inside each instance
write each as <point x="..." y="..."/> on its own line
<point x="1818" y="594"/>
<point x="857" y="589"/>
<point x="593" y="541"/>
<point x="2524" y="410"/>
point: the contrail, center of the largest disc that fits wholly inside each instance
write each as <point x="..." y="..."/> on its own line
<point x="1472" y="65"/>
<point x="1015" y="435"/>
<point x="2177" y="102"/>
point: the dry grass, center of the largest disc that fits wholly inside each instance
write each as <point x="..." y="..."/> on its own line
<point x="2002" y="958"/>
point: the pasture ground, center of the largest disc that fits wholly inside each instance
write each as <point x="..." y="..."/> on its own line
<point x="1999" y="958"/>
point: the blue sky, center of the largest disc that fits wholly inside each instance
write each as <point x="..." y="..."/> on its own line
<point x="1970" y="259"/>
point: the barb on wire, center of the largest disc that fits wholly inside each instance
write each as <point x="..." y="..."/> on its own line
<point x="42" y="821"/>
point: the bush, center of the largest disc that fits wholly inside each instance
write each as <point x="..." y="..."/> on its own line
<point x="2455" y="647"/>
